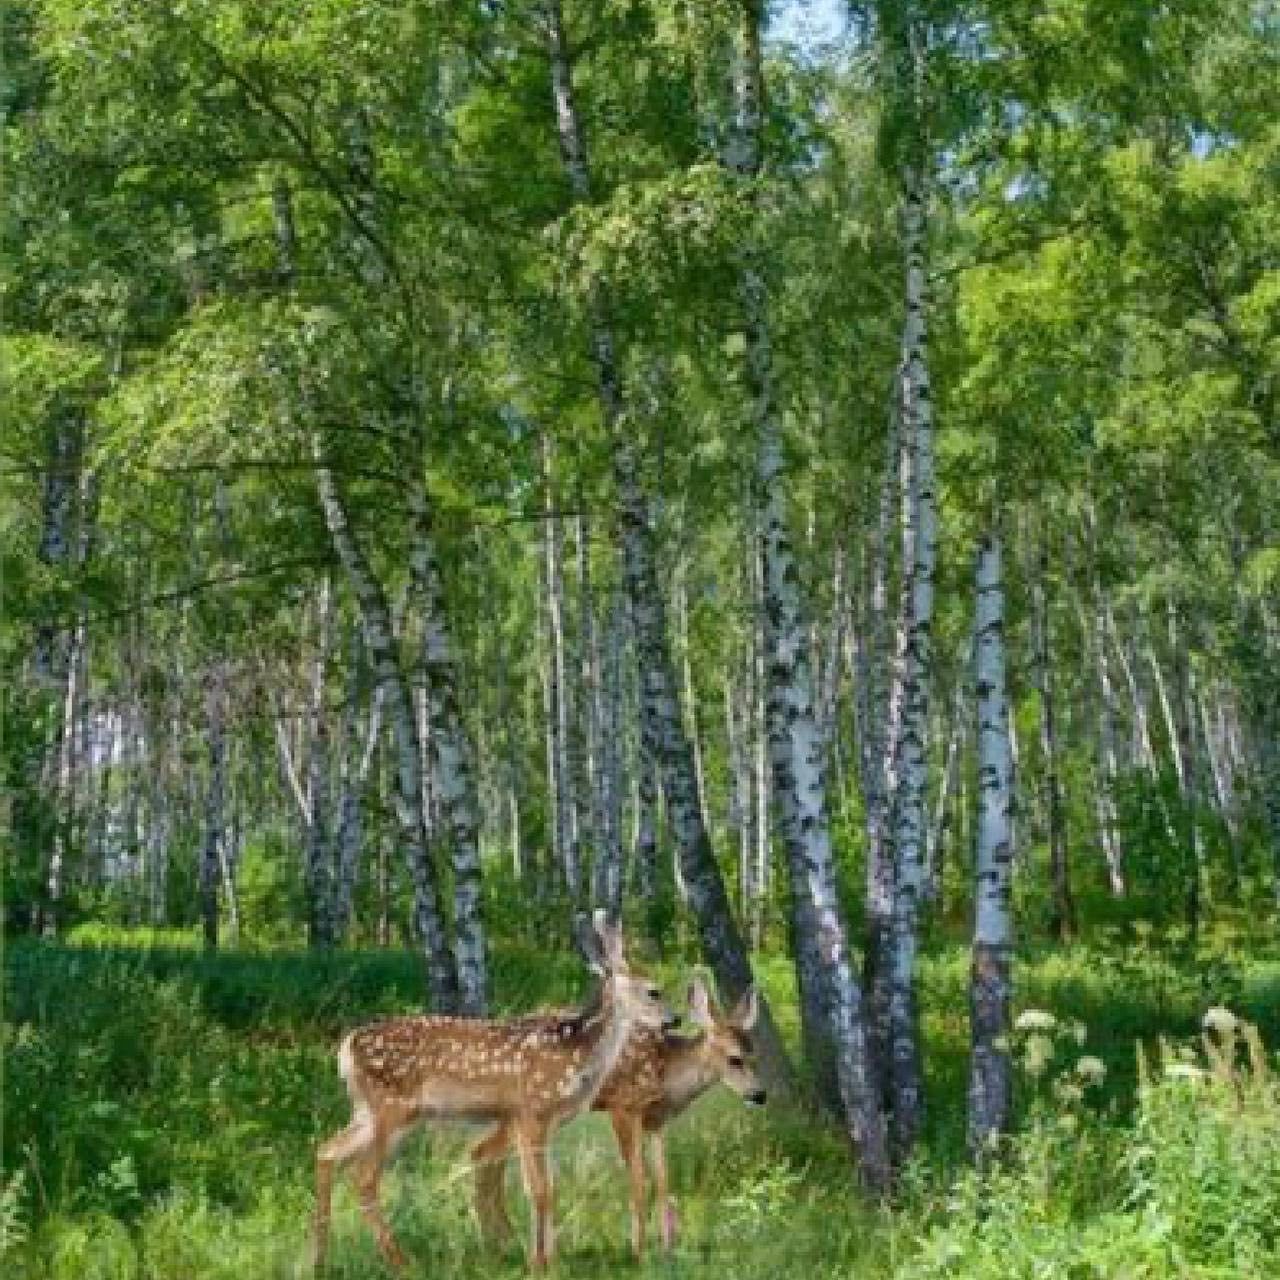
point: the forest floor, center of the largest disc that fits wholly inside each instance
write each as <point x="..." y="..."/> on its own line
<point x="161" y="1110"/>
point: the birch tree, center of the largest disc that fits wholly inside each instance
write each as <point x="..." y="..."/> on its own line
<point x="429" y="919"/>
<point x="831" y="997"/>
<point x="990" y="989"/>
<point x="450" y="752"/>
<point x="906" y="39"/>
<point x="1062" y="922"/>
<point x="666" y="740"/>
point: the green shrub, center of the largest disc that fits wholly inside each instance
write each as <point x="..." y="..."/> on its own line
<point x="1205" y="1160"/>
<point x="1199" y="1188"/>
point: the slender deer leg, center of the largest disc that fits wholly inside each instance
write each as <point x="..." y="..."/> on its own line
<point x="489" y="1163"/>
<point x="626" y="1128"/>
<point x="332" y="1155"/>
<point x="368" y="1179"/>
<point x="666" y="1205"/>
<point x="532" y="1138"/>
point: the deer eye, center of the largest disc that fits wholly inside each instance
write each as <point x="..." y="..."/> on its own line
<point x="735" y="1061"/>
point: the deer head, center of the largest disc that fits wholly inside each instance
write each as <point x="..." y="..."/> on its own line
<point x="635" y="1000"/>
<point x="727" y="1047"/>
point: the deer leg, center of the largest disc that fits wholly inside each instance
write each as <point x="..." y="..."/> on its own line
<point x="368" y="1179"/>
<point x="626" y="1128"/>
<point x="666" y="1205"/>
<point x="489" y="1163"/>
<point x="331" y="1156"/>
<point x="532" y="1140"/>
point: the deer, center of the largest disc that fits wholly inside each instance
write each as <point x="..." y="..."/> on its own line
<point x="655" y="1080"/>
<point x="526" y="1074"/>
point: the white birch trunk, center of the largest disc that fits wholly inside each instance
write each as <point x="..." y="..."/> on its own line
<point x="428" y="919"/>
<point x="280" y="719"/>
<point x="551" y="870"/>
<point x="211" y="850"/>
<point x="319" y="854"/>
<point x="1221" y="778"/>
<point x="937" y="837"/>
<point x="229" y="849"/>
<point x="560" y="771"/>
<point x="831" y="996"/>
<point x="666" y="741"/>
<point x="1142" y="750"/>
<point x="906" y="1078"/>
<point x="590" y="704"/>
<point x="60" y="780"/>
<point x="879" y="678"/>
<point x="1179" y="731"/>
<point x="832" y="656"/>
<point x="451" y="755"/>
<point x="608" y="864"/>
<point x="357" y="754"/>
<point x="1108" y="820"/>
<point x="1062" y="920"/>
<point x="1183" y="727"/>
<point x="762" y="791"/>
<point x="689" y="689"/>
<point x="990" y="991"/>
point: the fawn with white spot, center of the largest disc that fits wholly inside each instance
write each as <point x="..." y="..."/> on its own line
<point x="655" y="1079"/>
<point x="527" y="1074"/>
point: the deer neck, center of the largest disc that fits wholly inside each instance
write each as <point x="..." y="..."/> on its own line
<point x="605" y="1030"/>
<point x="688" y="1074"/>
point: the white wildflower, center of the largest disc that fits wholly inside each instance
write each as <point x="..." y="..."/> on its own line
<point x="1036" y="1055"/>
<point x="1068" y="1092"/>
<point x="1183" y="1071"/>
<point x="1079" y="1033"/>
<point x="1221" y="1020"/>
<point x="1035" y="1020"/>
<point x="1091" y="1070"/>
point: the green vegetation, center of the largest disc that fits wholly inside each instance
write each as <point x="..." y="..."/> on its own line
<point x="466" y="463"/>
<point x="162" y="1107"/>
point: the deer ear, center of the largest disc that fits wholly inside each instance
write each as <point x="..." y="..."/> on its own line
<point x="745" y="1011"/>
<point x="700" y="1003"/>
<point x="610" y="936"/>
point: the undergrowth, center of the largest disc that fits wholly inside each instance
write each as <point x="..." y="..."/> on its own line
<point x="161" y="1110"/>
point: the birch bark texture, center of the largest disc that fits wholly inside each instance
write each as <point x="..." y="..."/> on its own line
<point x="356" y="756"/>
<point x="211" y="850"/>
<point x="661" y="724"/>
<point x="878" y="677"/>
<point x="319" y="852"/>
<point x="831" y="996"/>
<point x="559" y="764"/>
<point x="905" y="1074"/>
<point x="450" y="756"/>
<point x="1062" y="920"/>
<point x="429" y="922"/>
<point x="990" y="982"/>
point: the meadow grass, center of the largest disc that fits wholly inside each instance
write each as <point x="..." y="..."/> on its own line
<point x="162" y="1106"/>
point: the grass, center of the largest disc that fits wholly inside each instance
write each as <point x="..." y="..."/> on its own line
<point x="162" y="1108"/>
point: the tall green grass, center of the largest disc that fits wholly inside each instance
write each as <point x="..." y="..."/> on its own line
<point x="161" y="1110"/>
